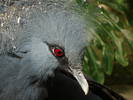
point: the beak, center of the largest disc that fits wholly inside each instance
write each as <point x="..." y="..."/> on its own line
<point x="78" y="74"/>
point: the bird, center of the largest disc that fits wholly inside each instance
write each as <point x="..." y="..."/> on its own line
<point x="44" y="61"/>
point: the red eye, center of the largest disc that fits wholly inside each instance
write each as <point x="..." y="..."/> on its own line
<point x="58" y="52"/>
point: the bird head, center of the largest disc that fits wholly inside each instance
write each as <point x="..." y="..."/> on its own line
<point x="52" y="40"/>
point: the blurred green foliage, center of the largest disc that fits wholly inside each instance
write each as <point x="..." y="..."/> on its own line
<point x="113" y="36"/>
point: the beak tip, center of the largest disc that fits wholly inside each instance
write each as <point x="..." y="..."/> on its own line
<point x="82" y="81"/>
<point x="85" y="86"/>
<point x="86" y="89"/>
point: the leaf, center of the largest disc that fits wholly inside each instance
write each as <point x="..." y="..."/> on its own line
<point x="129" y="36"/>
<point x="108" y="58"/>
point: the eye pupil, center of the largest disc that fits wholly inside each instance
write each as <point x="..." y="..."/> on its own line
<point x="58" y="52"/>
